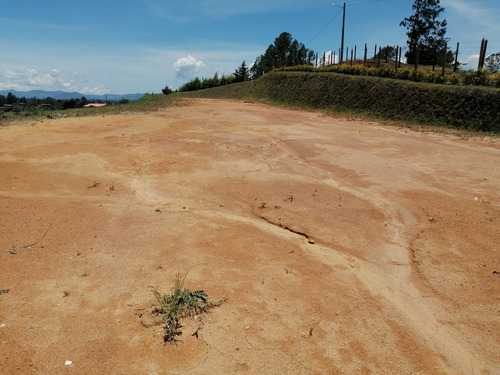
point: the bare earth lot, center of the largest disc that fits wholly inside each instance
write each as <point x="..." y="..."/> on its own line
<point x="343" y="247"/>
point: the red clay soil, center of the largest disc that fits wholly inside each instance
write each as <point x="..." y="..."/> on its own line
<point x="342" y="246"/>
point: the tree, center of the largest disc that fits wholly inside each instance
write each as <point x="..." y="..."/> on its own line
<point x="166" y="90"/>
<point x="492" y="62"/>
<point x="285" y="51"/>
<point x="426" y="34"/>
<point x="70" y="103"/>
<point x="389" y="51"/>
<point x="11" y="98"/>
<point x="241" y="73"/>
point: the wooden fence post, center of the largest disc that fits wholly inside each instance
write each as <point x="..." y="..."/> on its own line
<point x="455" y="67"/>
<point x="396" y="59"/>
<point x="355" y="52"/>
<point x="375" y="53"/>
<point x="417" y="56"/>
<point x="482" y="53"/>
<point x="444" y="56"/>
<point x="379" y="55"/>
<point x="366" y="52"/>
<point x="479" y="66"/>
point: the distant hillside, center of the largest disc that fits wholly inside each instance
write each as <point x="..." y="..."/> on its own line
<point x="62" y="95"/>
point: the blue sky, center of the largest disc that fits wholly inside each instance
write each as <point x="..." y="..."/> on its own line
<point x="139" y="46"/>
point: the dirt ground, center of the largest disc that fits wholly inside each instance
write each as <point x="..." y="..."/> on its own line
<point x="342" y="246"/>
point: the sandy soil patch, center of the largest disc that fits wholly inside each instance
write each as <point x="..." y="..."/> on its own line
<point x="343" y="247"/>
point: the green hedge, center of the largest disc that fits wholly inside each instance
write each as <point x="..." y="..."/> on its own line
<point x="466" y="78"/>
<point x="462" y="107"/>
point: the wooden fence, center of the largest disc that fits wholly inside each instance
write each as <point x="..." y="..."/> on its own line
<point x="382" y="54"/>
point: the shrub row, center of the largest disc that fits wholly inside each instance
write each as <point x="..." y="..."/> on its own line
<point x="206" y="83"/>
<point x="462" y="107"/>
<point x="466" y="78"/>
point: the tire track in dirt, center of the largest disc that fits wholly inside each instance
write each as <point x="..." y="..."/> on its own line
<point x="219" y="169"/>
<point x="392" y="282"/>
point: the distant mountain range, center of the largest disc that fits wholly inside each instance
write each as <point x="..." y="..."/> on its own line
<point x="62" y="95"/>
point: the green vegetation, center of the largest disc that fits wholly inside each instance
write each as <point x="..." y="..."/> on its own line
<point x="241" y="73"/>
<point x="148" y="103"/>
<point x="426" y="34"/>
<point x="466" y="78"/>
<point x="285" y="51"/>
<point x="206" y="83"/>
<point x="11" y="103"/>
<point x="182" y="303"/>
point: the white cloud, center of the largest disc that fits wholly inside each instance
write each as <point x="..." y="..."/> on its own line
<point x="474" y="12"/>
<point x="470" y="62"/>
<point x="186" y="67"/>
<point x="99" y="90"/>
<point x="52" y="79"/>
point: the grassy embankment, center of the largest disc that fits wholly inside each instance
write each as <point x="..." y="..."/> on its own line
<point x="460" y="107"/>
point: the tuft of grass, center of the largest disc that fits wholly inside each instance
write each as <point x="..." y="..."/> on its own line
<point x="181" y="303"/>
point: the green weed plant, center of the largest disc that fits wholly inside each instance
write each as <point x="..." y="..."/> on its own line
<point x="181" y="303"/>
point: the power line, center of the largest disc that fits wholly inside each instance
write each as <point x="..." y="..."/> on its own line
<point x="324" y="28"/>
<point x="333" y="19"/>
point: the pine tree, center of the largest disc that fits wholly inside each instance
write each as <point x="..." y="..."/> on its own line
<point x="426" y="34"/>
<point x="241" y="73"/>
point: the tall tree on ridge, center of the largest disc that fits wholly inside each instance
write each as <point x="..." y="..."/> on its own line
<point x="426" y="34"/>
<point x="285" y="51"/>
<point x="241" y="73"/>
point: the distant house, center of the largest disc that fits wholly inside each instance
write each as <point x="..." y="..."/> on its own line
<point x="44" y="106"/>
<point x="94" y="105"/>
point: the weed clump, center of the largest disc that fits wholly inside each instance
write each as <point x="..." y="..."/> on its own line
<point x="181" y="303"/>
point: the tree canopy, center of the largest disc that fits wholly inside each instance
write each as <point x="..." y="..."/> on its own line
<point x="426" y="34"/>
<point x="390" y="52"/>
<point x="241" y="73"/>
<point x="285" y="51"/>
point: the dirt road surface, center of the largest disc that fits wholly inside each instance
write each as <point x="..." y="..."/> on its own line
<point x="342" y="246"/>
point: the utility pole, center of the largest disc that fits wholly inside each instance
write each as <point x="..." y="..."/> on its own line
<point x="343" y="30"/>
